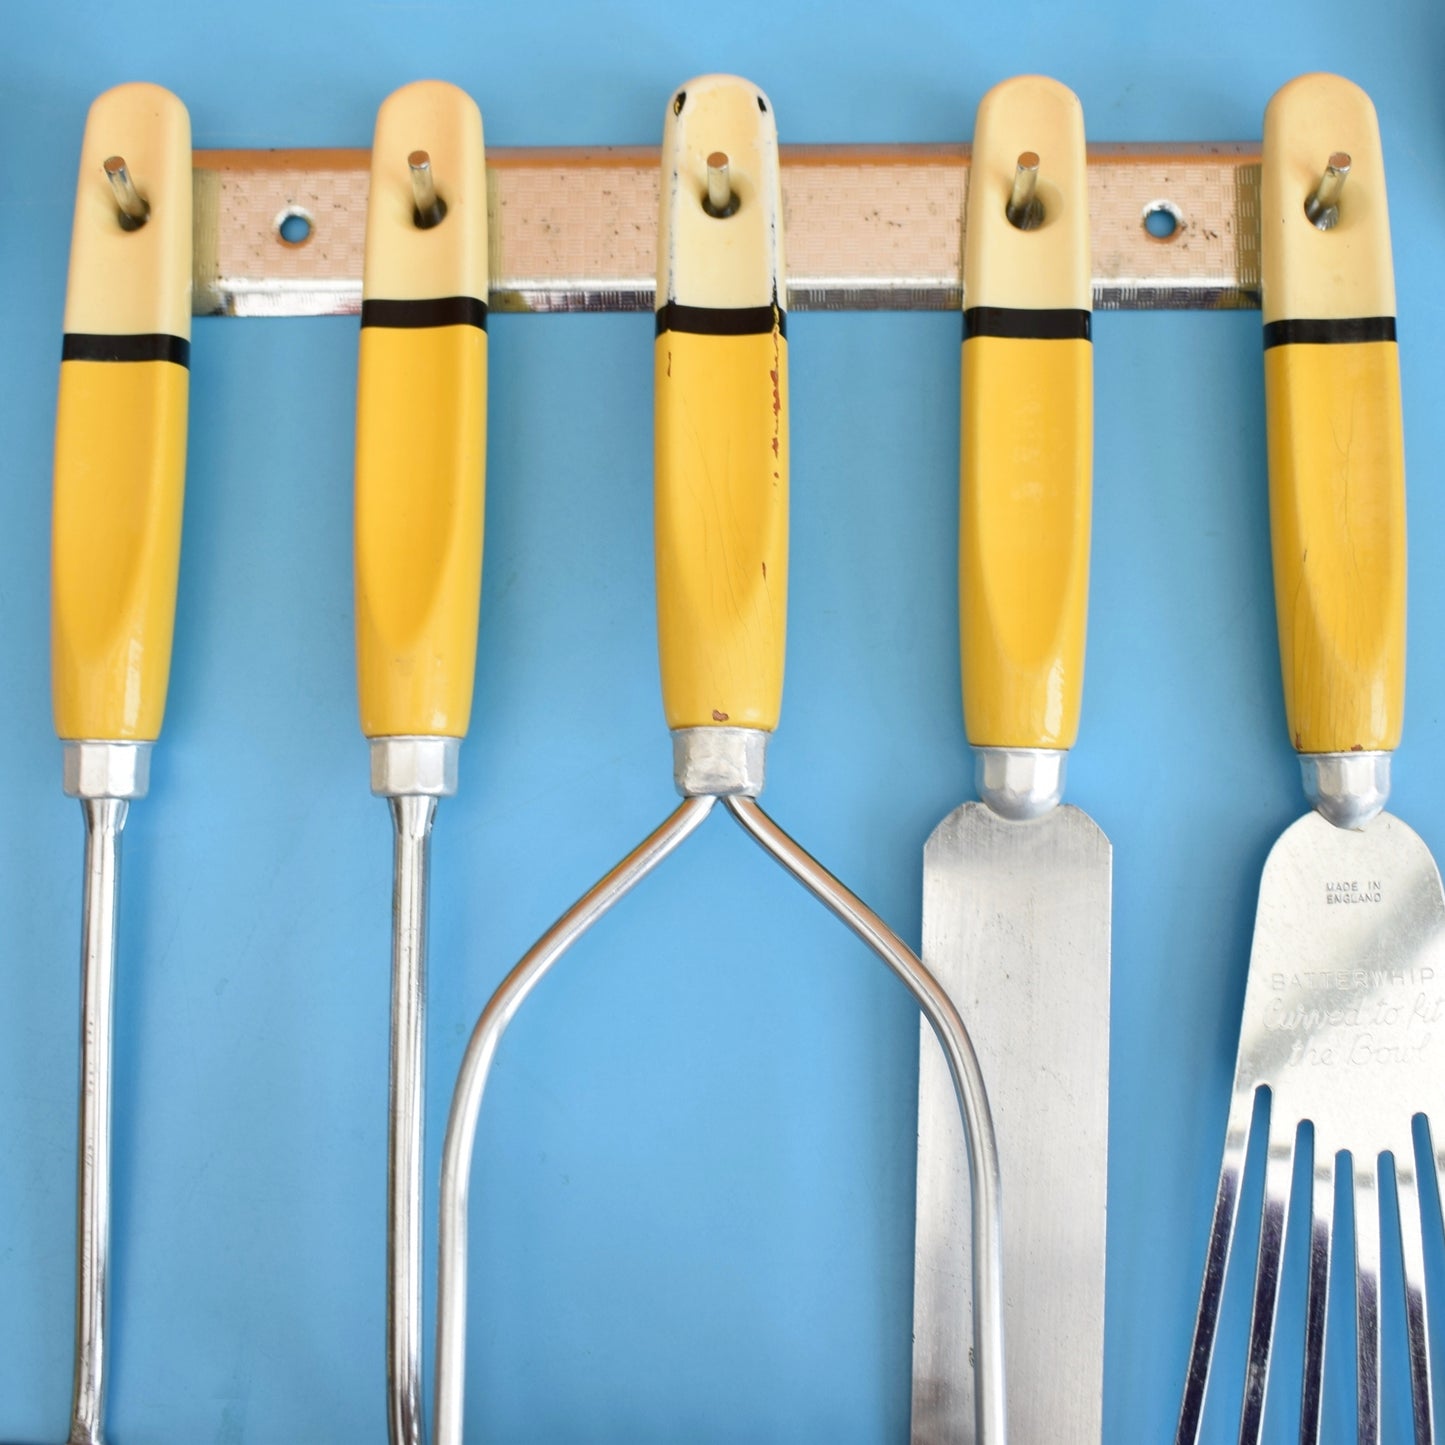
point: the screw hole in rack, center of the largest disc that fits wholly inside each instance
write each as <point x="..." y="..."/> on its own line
<point x="294" y="227"/>
<point x="1163" y="220"/>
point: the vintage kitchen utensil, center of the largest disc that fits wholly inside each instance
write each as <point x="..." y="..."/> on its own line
<point x="1344" y="997"/>
<point x="1016" y="888"/>
<point x="721" y="497"/>
<point x="420" y="457"/>
<point x="120" y="460"/>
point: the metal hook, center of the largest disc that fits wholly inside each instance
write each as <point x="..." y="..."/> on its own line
<point x="1323" y="205"/>
<point x="430" y="210"/>
<point x="721" y="200"/>
<point x="1024" y="208"/>
<point x="134" y="208"/>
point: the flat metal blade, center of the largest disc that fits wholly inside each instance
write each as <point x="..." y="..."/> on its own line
<point x="1345" y="1002"/>
<point x="1344" y="1023"/>
<point x="1016" y="926"/>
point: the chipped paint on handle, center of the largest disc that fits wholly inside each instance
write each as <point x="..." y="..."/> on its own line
<point x="721" y="420"/>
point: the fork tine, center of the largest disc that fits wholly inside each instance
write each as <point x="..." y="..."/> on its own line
<point x="1412" y="1251"/>
<point x="1274" y="1215"/>
<point x="1322" y="1213"/>
<point x="1367" y="1299"/>
<point x="1439" y="1165"/>
<point x="1216" y="1263"/>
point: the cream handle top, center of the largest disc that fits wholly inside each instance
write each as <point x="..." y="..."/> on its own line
<point x="720" y="119"/>
<point x="1046" y="267"/>
<point x="410" y="262"/>
<point x="133" y="281"/>
<point x="1345" y="271"/>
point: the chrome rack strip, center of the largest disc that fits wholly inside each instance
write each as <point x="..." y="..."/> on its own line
<point x="870" y="228"/>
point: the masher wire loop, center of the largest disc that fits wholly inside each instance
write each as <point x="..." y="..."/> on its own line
<point x="502" y="1008"/>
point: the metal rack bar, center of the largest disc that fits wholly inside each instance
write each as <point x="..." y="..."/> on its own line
<point x="869" y="228"/>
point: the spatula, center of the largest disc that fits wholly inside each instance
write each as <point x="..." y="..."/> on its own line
<point x="1016" y="888"/>
<point x="1344" y="1001"/>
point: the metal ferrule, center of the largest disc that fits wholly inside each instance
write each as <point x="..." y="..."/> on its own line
<point x="405" y="767"/>
<point x="1020" y="783"/>
<point x="1348" y="789"/>
<point x="106" y="769"/>
<point x="719" y="762"/>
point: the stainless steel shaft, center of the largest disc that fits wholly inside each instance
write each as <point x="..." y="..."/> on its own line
<point x="412" y="818"/>
<point x="104" y="819"/>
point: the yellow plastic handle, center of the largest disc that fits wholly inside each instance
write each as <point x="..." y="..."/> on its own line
<point x="1027" y="446"/>
<point x="421" y="417"/>
<point x="120" y="430"/>
<point x="721" y="423"/>
<point x="1336" y="444"/>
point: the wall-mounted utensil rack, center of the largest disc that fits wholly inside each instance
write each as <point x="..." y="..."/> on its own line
<point x="869" y="228"/>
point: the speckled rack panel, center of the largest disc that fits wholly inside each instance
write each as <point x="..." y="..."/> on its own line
<point x="868" y="228"/>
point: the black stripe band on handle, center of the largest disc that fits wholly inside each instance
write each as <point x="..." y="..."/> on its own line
<point x="722" y="320"/>
<point x="1022" y="324"/>
<point x="1329" y="333"/>
<point x="146" y="346"/>
<point x="435" y="311"/>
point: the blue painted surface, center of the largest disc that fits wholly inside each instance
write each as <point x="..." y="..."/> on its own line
<point x="694" y="1193"/>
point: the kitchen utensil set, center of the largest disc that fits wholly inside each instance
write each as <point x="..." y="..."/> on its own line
<point x="1344" y="988"/>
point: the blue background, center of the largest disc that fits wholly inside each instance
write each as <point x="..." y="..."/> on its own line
<point x="694" y="1192"/>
